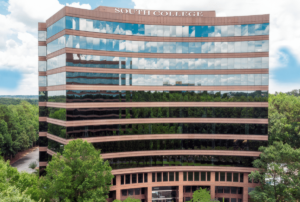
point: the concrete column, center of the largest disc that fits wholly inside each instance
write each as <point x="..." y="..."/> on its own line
<point x="149" y="188"/>
<point x="212" y="187"/>
<point x="180" y="187"/>
<point x="118" y="184"/>
<point x="245" y="188"/>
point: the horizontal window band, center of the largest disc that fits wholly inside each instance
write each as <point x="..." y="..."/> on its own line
<point x="157" y="55"/>
<point x="169" y="144"/>
<point x="151" y="120"/>
<point x="161" y="137"/>
<point x="154" y="88"/>
<point x="156" y="38"/>
<point x="183" y="168"/>
<point x="151" y="104"/>
<point x="175" y="153"/>
<point x="154" y="71"/>
<point x="180" y="152"/>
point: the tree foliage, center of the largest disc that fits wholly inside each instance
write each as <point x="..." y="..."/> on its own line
<point x="11" y="181"/>
<point x="279" y="166"/>
<point x="284" y="119"/>
<point x="128" y="199"/>
<point x="201" y="195"/>
<point x="19" y="127"/>
<point x="78" y="174"/>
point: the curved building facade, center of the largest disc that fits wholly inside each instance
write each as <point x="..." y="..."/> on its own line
<point x="175" y="100"/>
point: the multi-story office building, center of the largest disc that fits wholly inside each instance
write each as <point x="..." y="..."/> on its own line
<point x="175" y="100"/>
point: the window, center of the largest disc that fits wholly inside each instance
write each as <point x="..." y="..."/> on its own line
<point x="140" y="177"/>
<point x="233" y="190"/>
<point x="240" y="190"/>
<point x="208" y="176"/>
<point x="241" y="177"/>
<point x="229" y="177"/>
<point x="222" y="176"/>
<point x="196" y="176"/>
<point x="133" y="178"/>
<point x="227" y="190"/>
<point x="184" y="176"/>
<point x="114" y="180"/>
<point x="145" y="177"/>
<point x="203" y="176"/>
<point x="153" y="177"/>
<point x="177" y="176"/>
<point x="122" y="179"/>
<point x="158" y="177"/>
<point x="165" y="176"/>
<point x="235" y="177"/>
<point x="191" y="178"/>
<point x="124" y="192"/>
<point x="217" y="176"/>
<point x="249" y="180"/>
<point x="127" y="178"/>
<point x="171" y="176"/>
<point x="130" y="192"/>
<point x="137" y="191"/>
<point x="220" y="190"/>
<point x="187" y="189"/>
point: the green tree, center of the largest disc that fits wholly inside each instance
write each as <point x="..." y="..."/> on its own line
<point x="128" y="199"/>
<point x="12" y="194"/>
<point x="279" y="166"/>
<point x="284" y="119"/>
<point x="24" y="182"/>
<point x="201" y="195"/>
<point x="78" y="174"/>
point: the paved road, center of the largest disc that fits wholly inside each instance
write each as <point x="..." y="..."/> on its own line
<point x="23" y="163"/>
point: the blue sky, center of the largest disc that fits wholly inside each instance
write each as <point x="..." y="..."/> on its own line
<point x="18" y="34"/>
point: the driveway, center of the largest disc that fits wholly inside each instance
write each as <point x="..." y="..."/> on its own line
<point x="23" y="163"/>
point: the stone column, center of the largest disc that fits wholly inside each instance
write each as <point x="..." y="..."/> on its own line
<point x="118" y="186"/>
<point x="180" y="187"/>
<point x="212" y="186"/>
<point x="149" y="188"/>
<point x="245" y="188"/>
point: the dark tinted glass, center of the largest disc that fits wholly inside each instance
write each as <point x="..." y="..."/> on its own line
<point x="208" y="176"/>
<point x="122" y="179"/>
<point x="196" y="176"/>
<point x="130" y="192"/>
<point x="140" y="177"/>
<point x="124" y="192"/>
<point x="127" y="177"/>
<point x="145" y="177"/>
<point x="241" y="177"/>
<point x="133" y="178"/>
<point x="171" y="176"/>
<point x="229" y="177"/>
<point x="137" y="191"/>
<point x="227" y="190"/>
<point x="43" y="156"/>
<point x="165" y="176"/>
<point x="43" y="141"/>
<point x="190" y="176"/>
<point x="235" y="177"/>
<point x="184" y="176"/>
<point x="216" y="176"/>
<point x="177" y="176"/>
<point x="153" y="177"/>
<point x="158" y="177"/>
<point x="222" y="176"/>
<point x="203" y="176"/>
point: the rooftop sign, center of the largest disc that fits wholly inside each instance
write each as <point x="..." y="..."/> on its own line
<point x="160" y="13"/>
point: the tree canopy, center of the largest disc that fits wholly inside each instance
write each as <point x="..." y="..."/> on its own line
<point x="78" y="174"/>
<point x="279" y="166"/>
<point x="19" y="125"/>
<point x="201" y="195"/>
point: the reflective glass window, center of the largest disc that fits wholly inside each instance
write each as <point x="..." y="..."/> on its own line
<point x="42" y="51"/>
<point x="42" y="35"/>
<point x="56" y="27"/>
<point x="42" y="81"/>
<point x="42" y="66"/>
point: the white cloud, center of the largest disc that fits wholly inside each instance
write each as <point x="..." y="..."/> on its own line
<point x="18" y="39"/>
<point x="78" y="5"/>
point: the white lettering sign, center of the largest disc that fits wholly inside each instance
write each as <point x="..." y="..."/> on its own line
<point x="159" y="13"/>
